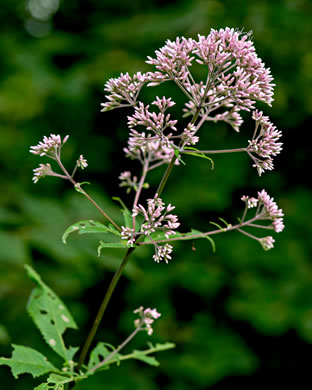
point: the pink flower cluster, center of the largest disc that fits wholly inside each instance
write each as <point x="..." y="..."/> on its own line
<point x="267" y="209"/>
<point x="123" y="91"/>
<point x="156" y="147"/>
<point x="127" y="181"/>
<point x="270" y="210"/>
<point x="237" y="78"/>
<point x="188" y="136"/>
<point x="264" y="142"/>
<point x="141" y="147"/>
<point x="146" y="319"/>
<point x="157" y="218"/>
<point x="49" y="146"/>
<point x="42" y="171"/>
<point x="172" y="61"/>
<point x="152" y="121"/>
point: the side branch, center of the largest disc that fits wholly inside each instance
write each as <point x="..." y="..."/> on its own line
<point x="200" y="235"/>
<point x="83" y="192"/>
<point x="215" y="151"/>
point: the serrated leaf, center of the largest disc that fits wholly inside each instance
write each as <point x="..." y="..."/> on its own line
<point x="139" y="355"/>
<point x="116" y="245"/>
<point x="50" y="315"/>
<point x="27" y="360"/>
<point x="58" y="381"/>
<point x="87" y="227"/>
<point x="43" y="386"/>
<point x="100" y="353"/>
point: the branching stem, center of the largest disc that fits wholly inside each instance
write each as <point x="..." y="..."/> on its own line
<point x="75" y="184"/>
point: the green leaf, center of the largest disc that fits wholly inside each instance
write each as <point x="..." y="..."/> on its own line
<point x="162" y="347"/>
<point x="177" y="154"/>
<point x="89" y="226"/>
<point x="58" y="381"/>
<point x="43" y="386"/>
<point x="50" y="315"/>
<point x="78" y="187"/>
<point x="127" y="215"/>
<point x="199" y="154"/>
<point x="100" y="353"/>
<point x="139" y="355"/>
<point x="217" y="225"/>
<point x="225" y="223"/>
<point x="213" y="245"/>
<point x="27" y="360"/>
<point x="117" y="245"/>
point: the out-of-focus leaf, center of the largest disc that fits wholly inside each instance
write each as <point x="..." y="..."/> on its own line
<point x="88" y="227"/>
<point x="27" y="360"/>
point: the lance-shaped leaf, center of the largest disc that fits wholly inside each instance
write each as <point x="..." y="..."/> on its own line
<point x="90" y="226"/>
<point x="116" y="245"/>
<point x="50" y="315"/>
<point x="27" y="360"/>
<point x="198" y="153"/>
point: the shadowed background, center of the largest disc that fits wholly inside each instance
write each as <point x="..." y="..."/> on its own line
<point x="240" y="316"/>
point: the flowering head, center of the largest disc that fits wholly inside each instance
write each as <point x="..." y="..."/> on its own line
<point x="146" y="319"/>
<point x="50" y="146"/>
<point x="42" y="171"/>
<point x="123" y="90"/>
<point x="267" y="243"/>
<point x="269" y="210"/>
<point x="264" y="142"/>
<point x="82" y="162"/>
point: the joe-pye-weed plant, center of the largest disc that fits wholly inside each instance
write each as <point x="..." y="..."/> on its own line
<point x="236" y="79"/>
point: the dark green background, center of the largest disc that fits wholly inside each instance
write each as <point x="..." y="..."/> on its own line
<point x="240" y="317"/>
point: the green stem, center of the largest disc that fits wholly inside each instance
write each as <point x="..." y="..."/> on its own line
<point x="102" y="308"/>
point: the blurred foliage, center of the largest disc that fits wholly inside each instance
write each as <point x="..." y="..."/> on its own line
<point x="239" y="313"/>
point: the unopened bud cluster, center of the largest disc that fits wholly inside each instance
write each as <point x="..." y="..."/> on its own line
<point x="146" y="319"/>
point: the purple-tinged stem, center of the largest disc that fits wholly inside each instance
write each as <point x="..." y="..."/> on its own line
<point x="75" y="184"/>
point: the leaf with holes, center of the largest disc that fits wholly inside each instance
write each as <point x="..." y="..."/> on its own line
<point x="50" y="315"/>
<point x="87" y="227"/>
<point x="27" y="360"/>
<point x="58" y="381"/>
